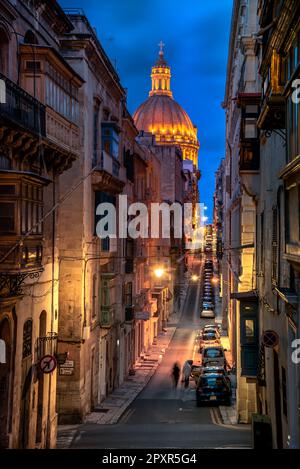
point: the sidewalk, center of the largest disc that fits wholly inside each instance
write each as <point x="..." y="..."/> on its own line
<point x="114" y="406"/>
<point x="228" y="414"/>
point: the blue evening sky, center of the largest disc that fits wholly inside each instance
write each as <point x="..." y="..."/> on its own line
<point x="196" y="35"/>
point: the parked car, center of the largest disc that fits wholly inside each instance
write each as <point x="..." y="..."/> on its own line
<point x="207" y="313"/>
<point x="207" y="297"/>
<point x="211" y="329"/>
<point x="206" y="370"/>
<point x="208" y="305"/>
<point x="211" y="326"/>
<point x="210" y="338"/>
<point x="212" y="388"/>
<point x="213" y="356"/>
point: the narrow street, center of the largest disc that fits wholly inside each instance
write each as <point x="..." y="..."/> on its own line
<point x="162" y="417"/>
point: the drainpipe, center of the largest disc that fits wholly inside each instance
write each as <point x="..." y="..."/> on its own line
<point x="48" y="433"/>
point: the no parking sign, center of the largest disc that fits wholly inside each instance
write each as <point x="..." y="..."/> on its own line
<point x="48" y="364"/>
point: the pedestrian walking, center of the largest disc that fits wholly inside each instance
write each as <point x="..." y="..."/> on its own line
<point x="186" y="372"/>
<point x="175" y="374"/>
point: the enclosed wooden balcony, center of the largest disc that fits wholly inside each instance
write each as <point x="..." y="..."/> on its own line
<point x="48" y="77"/>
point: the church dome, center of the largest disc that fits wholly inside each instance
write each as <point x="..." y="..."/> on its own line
<point x="164" y="117"/>
<point x="161" y="115"/>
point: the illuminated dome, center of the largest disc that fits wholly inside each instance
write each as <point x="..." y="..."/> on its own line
<point x="161" y="115"/>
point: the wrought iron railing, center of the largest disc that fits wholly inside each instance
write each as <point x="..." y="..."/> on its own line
<point x="22" y="109"/>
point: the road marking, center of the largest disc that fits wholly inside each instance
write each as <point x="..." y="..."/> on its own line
<point x="215" y="416"/>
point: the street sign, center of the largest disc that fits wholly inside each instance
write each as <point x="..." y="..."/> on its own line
<point x="66" y="371"/>
<point x="48" y="364"/>
<point x="67" y="368"/>
<point x="270" y="339"/>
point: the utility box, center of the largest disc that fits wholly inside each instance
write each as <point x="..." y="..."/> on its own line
<point x="261" y="432"/>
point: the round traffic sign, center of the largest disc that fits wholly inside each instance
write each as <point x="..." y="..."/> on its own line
<point x="48" y="364"/>
<point x="270" y="339"/>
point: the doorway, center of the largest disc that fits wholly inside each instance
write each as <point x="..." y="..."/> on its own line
<point x="5" y="372"/>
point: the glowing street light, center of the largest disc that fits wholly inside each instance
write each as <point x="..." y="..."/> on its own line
<point x="215" y="280"/>
<point x="159" y="272"/>
<point x="195" y="278"/>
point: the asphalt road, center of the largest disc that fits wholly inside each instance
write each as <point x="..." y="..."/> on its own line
<point x="164" y="417"/>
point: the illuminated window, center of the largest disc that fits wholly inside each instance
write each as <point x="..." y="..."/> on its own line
<point x="110" y="139"/>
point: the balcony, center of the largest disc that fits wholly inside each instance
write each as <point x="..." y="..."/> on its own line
<point x="107" y="314"/>
<point x="272" y="116"/>
<point x="22" y="110"/>
<point x="108" y="175"/>
<point x="61" y="132"/>
<point x="109" y="164"/>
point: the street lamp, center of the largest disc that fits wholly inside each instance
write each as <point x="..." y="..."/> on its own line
<point x="195" y="278"/>
<point x="159" y="272"/>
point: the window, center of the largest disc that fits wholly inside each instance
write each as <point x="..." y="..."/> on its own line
<point x="30" y="37"/>
<point x="7" y="217"/>
<point x="249" y="338"/>
<point x="4" y="50"/>
<point x="293" y="215"/>
<point x="5" y="162"/>
<point x="32" y="209"/>
<point x="61" y="95"/>
<point x="262" y="227"/>
<point x="96" y="135"/>
<point x="293" y="128"/>
<point x="129" y="164"/>
<point x="128" y="294"/>
<point x="27" y="339"/>
<point x="110" y="139"/>
<point x="103" y="197"/>
<point x="274" y="245"/>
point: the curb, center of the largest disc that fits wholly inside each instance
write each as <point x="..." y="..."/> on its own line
<point x="65" y="441"/>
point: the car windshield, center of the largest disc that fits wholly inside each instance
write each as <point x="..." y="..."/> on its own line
<point x="209" y="336"/>
<point x="213" y="353"/>
<point x="212" y="381"/>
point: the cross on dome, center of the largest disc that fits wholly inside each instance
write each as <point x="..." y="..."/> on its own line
<point x="161" y="46"/>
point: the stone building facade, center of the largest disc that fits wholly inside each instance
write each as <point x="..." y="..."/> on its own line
<point x="39" y="140"/>
<point x="262" y="213"/>
<point x="278" y="218"/>
<point x="241" y="103"/>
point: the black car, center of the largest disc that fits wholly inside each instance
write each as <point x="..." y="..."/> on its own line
<point x="213" y="389"/>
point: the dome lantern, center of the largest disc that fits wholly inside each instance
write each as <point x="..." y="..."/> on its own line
<point x="161" y="76"/>
<point x="161" y="115"/>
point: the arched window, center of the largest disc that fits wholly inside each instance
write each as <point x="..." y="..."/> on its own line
<point x="30" y="37"/>
<point x="4" y="52"/>
<point x="27" y="339"/>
